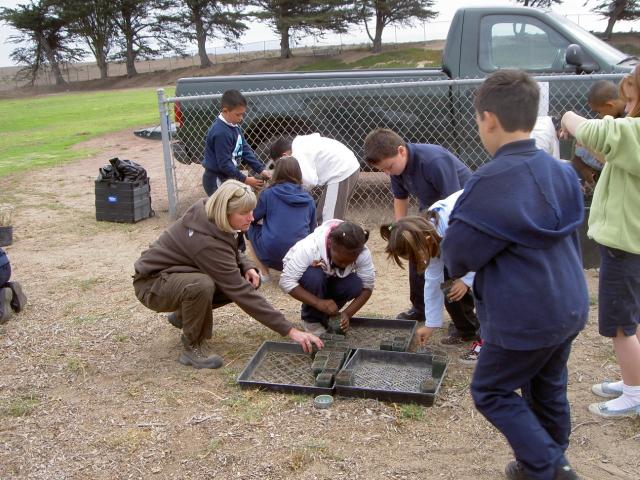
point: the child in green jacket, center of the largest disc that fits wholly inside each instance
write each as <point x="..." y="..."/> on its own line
<point x="614" y="222"/>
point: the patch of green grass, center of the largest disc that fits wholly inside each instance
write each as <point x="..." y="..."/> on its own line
<point x="411" y="411"/>
<point x="76" y="365"/>
<point x="323" y="64"/>
<point x="87" y="284"/>
<point x="41" y="131"/>
<point x="397" y="58"/>
<point x="593" y="300"/>
<point x="20" y="406"/>
<point x="120" y="337"/>
<point x="400" y="58"/>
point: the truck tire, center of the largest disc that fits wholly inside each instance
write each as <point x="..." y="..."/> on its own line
<point x="181" y="153"/>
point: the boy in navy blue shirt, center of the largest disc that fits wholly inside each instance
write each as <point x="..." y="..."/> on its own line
<point x="431" y="173"/>
<point x="515" y="226"/>
<point x="226" y="147"/>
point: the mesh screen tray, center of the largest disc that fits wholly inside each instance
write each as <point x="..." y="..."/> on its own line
<point x="391" y="376"/>
<point x="371" y="332"/>
<point x="283" y="367"/>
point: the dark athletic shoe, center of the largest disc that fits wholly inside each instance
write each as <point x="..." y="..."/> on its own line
<point x="174" y="320"/>
<point x="19" y="298"/>
<point x="195" y="356"/>
<point x="411" y="314"/>
<point x="5" y="305"/>
<point x="514" y="471"/>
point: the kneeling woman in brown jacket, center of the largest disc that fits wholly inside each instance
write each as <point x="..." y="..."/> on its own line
<point x="195" y="266"/>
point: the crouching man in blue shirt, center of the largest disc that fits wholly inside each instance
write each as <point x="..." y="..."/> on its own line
<point x="515" y="226"/>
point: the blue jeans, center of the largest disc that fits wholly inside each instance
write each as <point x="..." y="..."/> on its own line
<point x="537" y="424"/>
<point x="326" y="287"/>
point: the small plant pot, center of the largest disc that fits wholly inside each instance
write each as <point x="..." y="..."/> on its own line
<point x="6" y="235"/>
<point x="323" y="401"/>
<point x="428" y="385"/>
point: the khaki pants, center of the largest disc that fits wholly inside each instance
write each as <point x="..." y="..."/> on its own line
<point x="334" y="200"/>
<point x="191" y="295"/>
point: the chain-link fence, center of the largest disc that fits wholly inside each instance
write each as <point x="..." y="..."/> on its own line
<point x="436" y="111"/>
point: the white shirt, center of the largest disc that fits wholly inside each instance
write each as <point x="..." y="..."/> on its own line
<point x="312" y="252"/>
<point x="544" y="133"/>
<point x="434" y="274"/>
<point x="323" y="160"/>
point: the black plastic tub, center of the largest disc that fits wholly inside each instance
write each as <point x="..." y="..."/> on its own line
<point x="371" y="332"/>
<point x="282" y="367"/>
<point x="393" y="376"/>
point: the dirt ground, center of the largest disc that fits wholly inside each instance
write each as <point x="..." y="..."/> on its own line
<point x="90" y="386"/>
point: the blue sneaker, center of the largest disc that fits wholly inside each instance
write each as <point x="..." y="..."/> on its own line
<point x="601" y="410"/>
<point x="604" y="390"/>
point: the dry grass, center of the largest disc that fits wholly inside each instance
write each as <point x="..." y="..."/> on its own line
<point x="90" y="386"/>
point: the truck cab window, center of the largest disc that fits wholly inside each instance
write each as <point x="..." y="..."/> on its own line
<point x="518" y="41"/>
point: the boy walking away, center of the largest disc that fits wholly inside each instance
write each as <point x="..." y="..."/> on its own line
<point x="324" y="162"/>
<point x="12" y="299"/>
<point x="614" y="222"/>
<point x="225" y="147"/>
<point x="515" y="226"/>
<point x="429" y="172"/>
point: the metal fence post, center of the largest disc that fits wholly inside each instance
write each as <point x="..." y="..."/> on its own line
<point x="172" y="193"/>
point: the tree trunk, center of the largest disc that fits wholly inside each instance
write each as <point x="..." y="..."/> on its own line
<point x="131" y="59"/>
<point x="201" y="37"/>
<point x="53" y="62"/>
<point x="285" y="49"/>
<point x="618" y="9"/>
<point x="377" y="40"/>
<point x="103" y="66"/>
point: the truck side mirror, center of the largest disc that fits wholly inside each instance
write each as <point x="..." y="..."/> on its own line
<point x="575" y="56"/>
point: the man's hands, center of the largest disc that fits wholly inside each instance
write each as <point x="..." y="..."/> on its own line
<point x="266" y="173"/>
<point x="458" y="290"/>
<point x="345" y="318"/>
<point x="326" y="306"/>
<point x="304" y="339"/>
<point x="252" y="277"/>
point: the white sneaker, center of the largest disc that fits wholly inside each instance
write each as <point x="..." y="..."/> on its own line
<point x="315" y="328"/>
<point x="605" y="390"/>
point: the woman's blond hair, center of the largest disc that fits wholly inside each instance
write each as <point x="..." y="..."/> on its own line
<point x="412" y="238"/>
<point x="231" y="197"/>
<point x="631" y="80"/>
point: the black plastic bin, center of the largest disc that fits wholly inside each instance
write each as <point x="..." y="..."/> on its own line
<point x="120" y="201"/>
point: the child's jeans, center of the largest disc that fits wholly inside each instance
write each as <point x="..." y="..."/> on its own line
<point x="5" y="275"/>
<point x="536" y="425"/>
<point x="323" y="286"/>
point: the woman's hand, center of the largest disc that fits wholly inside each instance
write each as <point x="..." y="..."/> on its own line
<point x="304" y="339"/>
<point x="423" y="334"/>
<point x="458" y="290"/>
<point x="266" y="173"/>
<point x="252" y="277"/>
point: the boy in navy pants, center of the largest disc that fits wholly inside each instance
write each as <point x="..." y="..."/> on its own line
<point x="12" y="299"/>
<point x="226" y="147"/>
<point x="515" y="226"/>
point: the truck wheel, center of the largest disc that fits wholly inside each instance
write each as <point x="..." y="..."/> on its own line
<point x="181" y="153"/>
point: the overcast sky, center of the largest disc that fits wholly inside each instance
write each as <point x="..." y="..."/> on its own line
<point x="259" y="33"/>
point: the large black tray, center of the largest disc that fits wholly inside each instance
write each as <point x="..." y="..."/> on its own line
<point x="283" y="367"/>
<point x="391" y="376"/>
<point x="370" y="332"/>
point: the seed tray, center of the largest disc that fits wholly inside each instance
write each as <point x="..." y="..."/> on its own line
<point x="391" y="376"/>
<point x="369" y="333"/>
<point x="283" y="367"/>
